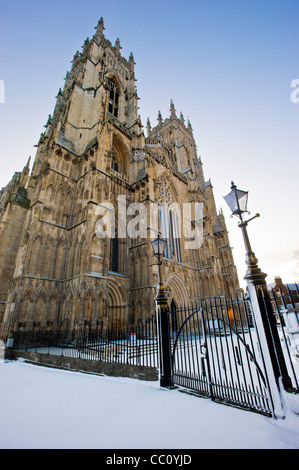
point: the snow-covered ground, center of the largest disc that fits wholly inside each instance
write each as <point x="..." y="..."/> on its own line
<point x="54" y="409"/>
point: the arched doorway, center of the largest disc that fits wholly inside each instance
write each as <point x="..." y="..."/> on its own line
<point x="177" y="291"/>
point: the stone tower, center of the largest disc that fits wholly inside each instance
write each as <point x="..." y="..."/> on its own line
<point x="93" y="152"/>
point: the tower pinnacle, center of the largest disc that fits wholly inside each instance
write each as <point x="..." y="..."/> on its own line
<point x="100" y="26"/>
<point x="172" y="109"/>
<point x="131" y="61"/>
<point x="149" y="127"/>
<point x="160" y="121"/>
<point x="117" y="45"/>
<point x="99" y="30"/>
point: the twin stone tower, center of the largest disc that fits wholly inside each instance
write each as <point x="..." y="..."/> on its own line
<point x="54" y="268"/>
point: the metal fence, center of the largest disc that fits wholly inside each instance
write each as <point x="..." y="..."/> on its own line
<point x="215" y="352"/>
<point x="135" y="346"/>
<point x="285" y="305"/>
<point x="214" y="346"/>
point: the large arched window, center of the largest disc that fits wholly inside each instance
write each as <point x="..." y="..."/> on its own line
<point x="170" y="228"/>
<point x="170" y="220"/>
<point x="119" y="156"/>
<point x="113" y="97"/>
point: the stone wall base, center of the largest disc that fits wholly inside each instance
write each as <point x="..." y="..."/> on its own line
<point x="85" y="365"/>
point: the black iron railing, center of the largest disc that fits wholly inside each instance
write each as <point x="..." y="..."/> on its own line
<point x="285" y="304"/>
<point x="215" y="353"/>
<point x="214" y="346"/>
<point x="137" y="345"/>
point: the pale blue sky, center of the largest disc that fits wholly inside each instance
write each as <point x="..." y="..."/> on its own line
<point x="226" y="64"/>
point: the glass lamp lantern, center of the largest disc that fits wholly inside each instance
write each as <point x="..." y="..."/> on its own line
<point x="159" y="245"/>
<point x="237" y="200"/>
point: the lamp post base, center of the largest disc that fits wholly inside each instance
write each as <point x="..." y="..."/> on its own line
<point x="257" y="282"/>
<point x="257" y="279"/>
<point x="164" y="343"/>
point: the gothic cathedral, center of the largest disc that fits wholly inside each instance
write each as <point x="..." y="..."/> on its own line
<point x="53" y="265"/>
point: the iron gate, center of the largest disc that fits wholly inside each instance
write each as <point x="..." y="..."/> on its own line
<point x="215" y="352"/>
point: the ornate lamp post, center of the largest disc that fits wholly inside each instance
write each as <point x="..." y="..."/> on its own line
<point x="259" y="295"/>
<point x="158" y="246"/>
<point x="237" y="202"/>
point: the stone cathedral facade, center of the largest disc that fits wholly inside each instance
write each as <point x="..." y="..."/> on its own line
<point x="53" y="266"/>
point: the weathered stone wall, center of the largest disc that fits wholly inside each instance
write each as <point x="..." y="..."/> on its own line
<point x="84" y="365"/>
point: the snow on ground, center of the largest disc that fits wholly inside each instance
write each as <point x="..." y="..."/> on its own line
<point x="55" y="409"/>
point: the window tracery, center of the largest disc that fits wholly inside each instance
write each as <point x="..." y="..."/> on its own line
<point x="169" y="220"/>
<point x="114" y="94"/>
<point x="165" y="195"/>
<point x="114" y="162"/>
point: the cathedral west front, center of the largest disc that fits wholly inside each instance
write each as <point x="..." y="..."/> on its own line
<point x="94" y="153"/>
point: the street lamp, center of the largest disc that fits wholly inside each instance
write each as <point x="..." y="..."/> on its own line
<point x="237" y="202"/>
<point x="158" y="246"/>
<point x="259" y="295"/>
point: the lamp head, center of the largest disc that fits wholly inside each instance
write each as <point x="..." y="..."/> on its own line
<point x="158" y="246"/>
<point x="237" y="200"/>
